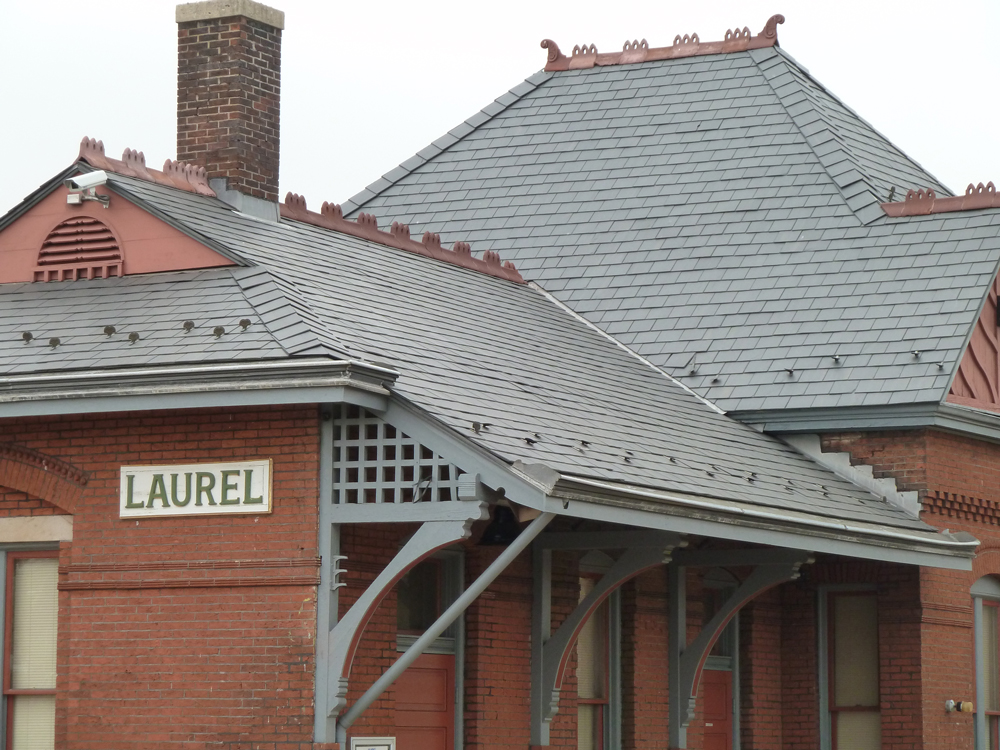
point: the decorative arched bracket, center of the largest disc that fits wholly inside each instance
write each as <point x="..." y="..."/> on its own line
<point x="346" y="634"/>
<point x="685" y="663"/>
<point x="647" y="550"/>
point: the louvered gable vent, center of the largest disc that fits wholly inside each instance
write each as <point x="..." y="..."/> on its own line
<point x="79" y="248"/>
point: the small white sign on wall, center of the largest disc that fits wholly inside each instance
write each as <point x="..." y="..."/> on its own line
<point x="373" y="743"/>
<point x="195" y="489"/>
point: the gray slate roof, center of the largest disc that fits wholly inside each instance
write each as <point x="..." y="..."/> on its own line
<point x="716" y="214"/>
<point x="155" y="307"/>
<point x="470" y="348"/>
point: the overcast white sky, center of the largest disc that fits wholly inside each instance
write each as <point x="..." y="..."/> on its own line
<point x="366" y="85"/>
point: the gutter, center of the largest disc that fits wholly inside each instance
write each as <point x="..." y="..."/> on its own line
<point x="187" y="386"/>
<point x="955" y="418"/>
<point x="960" y="541"/>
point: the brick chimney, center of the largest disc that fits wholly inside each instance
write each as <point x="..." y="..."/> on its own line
<point x="228" y="95"/>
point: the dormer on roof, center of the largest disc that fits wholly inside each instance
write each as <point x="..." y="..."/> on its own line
<point x="688" y="45"/>
<point x="59" y="240"/>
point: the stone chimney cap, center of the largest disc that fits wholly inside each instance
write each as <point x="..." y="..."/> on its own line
<point x="204" y="11"/>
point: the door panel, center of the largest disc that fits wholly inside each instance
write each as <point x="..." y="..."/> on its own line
<point x="425" y="704"/>
<point x="717" y="693"/>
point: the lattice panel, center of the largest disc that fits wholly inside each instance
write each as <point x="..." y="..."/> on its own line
<point x="375" y="463"/>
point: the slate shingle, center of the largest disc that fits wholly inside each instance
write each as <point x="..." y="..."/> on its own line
<point x="741" y="164"/>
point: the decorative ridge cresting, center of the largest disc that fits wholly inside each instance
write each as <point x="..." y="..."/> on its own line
<point x="176" y="174"/>
<point x="398" y="236"/>
<point x="924" y="202"/>
<point x="46" y="463"/>
<point x="637" y="51"/>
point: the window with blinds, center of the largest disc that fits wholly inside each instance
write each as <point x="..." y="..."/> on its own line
<point x="592" y="662"/>
<point x="990" y="666"/>
<point x="30" y="682"/>
<point x="854" y="675"/>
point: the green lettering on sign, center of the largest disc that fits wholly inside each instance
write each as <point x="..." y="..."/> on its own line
<point x="205" y="483"/>
<point x="229" y="486"/>
<point x="129" y="489"/>
<point x="247" y="500"/>
<point x="158" y="491"/>
<point x="174" y="498"/>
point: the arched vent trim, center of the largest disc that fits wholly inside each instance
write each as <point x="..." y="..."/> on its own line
<point x="79" y="248"/>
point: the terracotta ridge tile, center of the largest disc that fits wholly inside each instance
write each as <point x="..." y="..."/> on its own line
<point x="688" y="45"/>
<point x="398" y="236"/>
<point x="176" y="174"/>
<point x="924" y="202"/>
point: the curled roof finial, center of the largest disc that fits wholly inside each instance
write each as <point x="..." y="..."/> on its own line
<point x="553" y="48"/>
<point x="771" y="27"/>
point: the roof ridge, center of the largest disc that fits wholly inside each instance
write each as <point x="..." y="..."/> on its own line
<point x="398" y="236"/>
<point x="922" y="203"/>
<point x="688" y="45"/>
<point x="178" y="174"/>
<point x="449" y="139"/>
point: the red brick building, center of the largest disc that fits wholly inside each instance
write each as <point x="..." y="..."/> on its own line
<point x="276" y="478"/>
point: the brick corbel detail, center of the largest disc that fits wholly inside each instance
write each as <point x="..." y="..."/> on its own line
<point x="42" y="476"/>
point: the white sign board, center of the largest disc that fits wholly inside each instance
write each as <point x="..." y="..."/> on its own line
<point x="373" y="743"/>
<point x="195" y="489"/>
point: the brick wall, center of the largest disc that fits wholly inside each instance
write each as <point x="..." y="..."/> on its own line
<point x="760" y="672"/>
<point x="644" y="661"/>
<point x="167" y="640"/>
<point x="228" y="101"/>
<point x="958" y="479"/>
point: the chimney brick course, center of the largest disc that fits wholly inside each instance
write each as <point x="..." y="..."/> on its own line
<point x="228" y="93"/>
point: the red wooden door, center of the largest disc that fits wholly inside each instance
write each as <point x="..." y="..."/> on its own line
<point x="717" y="692"/>
<point x="425" y="704"/>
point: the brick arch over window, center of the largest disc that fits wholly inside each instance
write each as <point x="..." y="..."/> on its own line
<point x="42" y="476"/>
<point x="79" y="248"/>
<point x="986" y="562"/>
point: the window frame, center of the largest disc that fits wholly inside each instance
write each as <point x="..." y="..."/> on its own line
<point x="604" y="713"/>
<point x="594" y="564"/>
<point x="824" y="652"/>
<point x="8" y="553"/>
<point x="451" y="584"/>
<point x="985" y="593"/>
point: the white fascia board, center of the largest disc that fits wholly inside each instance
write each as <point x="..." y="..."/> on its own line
<point x="596" y="500"/>
<point x="196" y="386"/>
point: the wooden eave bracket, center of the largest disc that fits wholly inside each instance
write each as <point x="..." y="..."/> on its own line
<point x="636" y="51"/>
<point x="925" y="202"/>
<point x="556" y="650"/>
<point x="398" y="236"/>
<point x="345" y="636"/>
<point x="176" y="174"/>
<point x="685" y="662"/>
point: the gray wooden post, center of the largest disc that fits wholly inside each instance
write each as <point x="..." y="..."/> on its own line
<point x="677" y="703"/>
